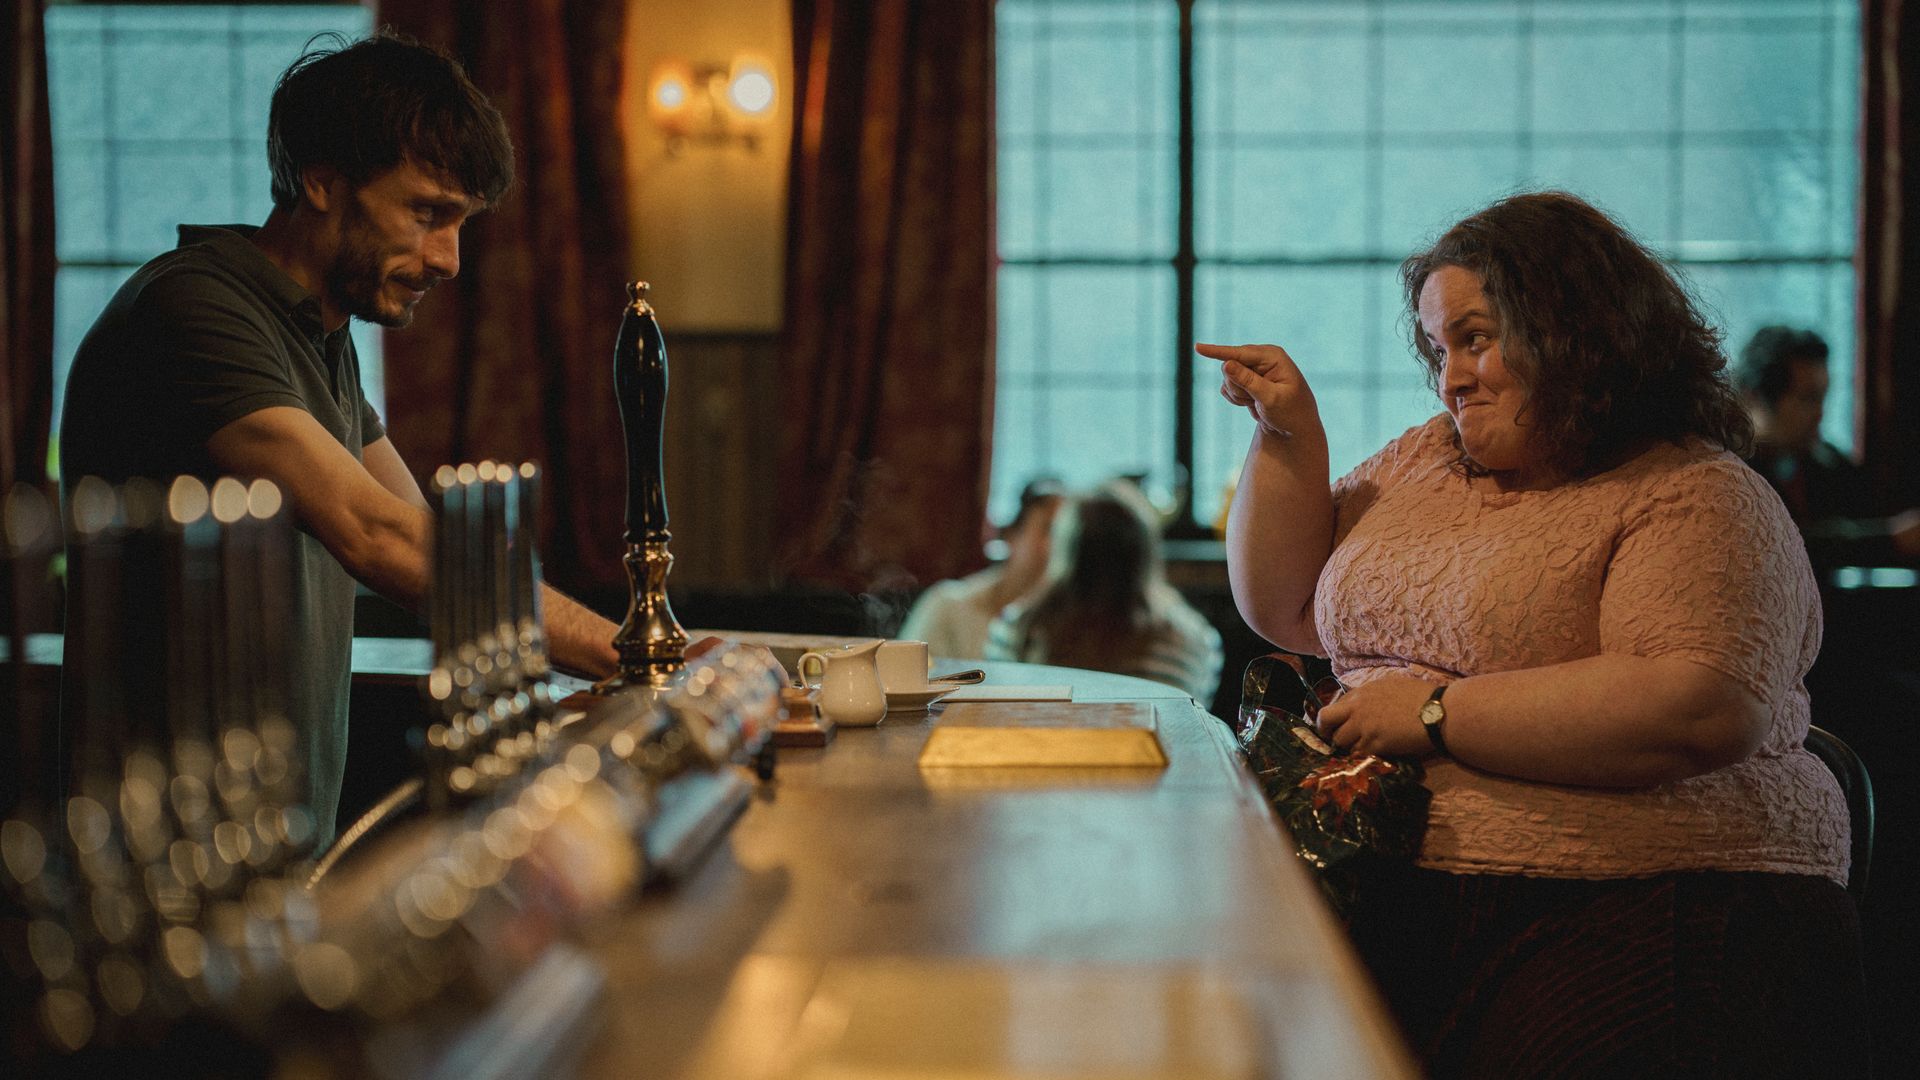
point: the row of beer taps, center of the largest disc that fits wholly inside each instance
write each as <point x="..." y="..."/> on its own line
<point x="164" y="869"/>
<point x="488" y="693"/>
<point x="154" y="869"/>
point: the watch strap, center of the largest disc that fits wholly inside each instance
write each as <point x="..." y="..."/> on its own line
<point x="1433" y="726"/>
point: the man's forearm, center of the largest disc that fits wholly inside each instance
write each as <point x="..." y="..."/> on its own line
<point x="1837" y="541"/>
<point x="578" y="639"/>
<point x="389" y="552"/>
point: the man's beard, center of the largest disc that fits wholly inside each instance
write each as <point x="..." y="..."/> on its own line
<point x="356" y="279"/>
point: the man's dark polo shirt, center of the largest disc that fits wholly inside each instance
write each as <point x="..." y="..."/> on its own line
<point x="1833" y="502"/>
<point x="196" y="339"/>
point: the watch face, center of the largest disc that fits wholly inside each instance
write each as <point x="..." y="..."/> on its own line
<point x="1432" y="713"/>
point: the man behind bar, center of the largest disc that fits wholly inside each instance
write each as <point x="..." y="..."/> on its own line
<point x="229" y="355"/>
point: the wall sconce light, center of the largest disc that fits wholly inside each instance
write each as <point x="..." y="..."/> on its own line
<point x="713" y="104"/>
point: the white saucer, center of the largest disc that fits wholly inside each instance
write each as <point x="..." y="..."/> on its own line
<point x="915" y="700"/>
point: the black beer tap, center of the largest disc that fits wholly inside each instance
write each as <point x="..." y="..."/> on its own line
<point x="651" y="644"/>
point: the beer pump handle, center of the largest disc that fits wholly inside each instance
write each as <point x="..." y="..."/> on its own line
<point x="650" y="642"/>
<point x="640" y="387"/>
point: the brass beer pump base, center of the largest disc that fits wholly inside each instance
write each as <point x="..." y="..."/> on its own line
<point x="651" y="644"/>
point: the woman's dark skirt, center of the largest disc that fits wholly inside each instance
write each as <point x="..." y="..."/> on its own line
<point x="1681" y="975"/>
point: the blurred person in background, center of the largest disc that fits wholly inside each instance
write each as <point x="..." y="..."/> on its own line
<point x="952" y="616"/>
<point x="1106" y="604"/>
<point x="1783" y="380"/>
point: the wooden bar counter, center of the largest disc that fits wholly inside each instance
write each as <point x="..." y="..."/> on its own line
<point x="866" y="919"/>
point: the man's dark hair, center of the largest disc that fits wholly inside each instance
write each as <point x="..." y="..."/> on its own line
<point x="1766" y="362"/>
<point x="367" y="107"/>
<point x="1611" y="349"/>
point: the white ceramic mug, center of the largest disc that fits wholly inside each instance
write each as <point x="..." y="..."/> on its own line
<point x="850" y="691"/>
<point x="903" y="667"/>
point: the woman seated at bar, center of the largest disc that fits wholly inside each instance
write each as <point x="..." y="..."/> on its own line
<point x="1106" y="605"/>
<point x="952" y="616"/>
<point x="1571" y="596"/>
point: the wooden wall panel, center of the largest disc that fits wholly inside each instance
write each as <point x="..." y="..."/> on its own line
<point x="723" y="414"/>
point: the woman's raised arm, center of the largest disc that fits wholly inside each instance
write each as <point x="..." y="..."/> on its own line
<point x="1280" y="526"/>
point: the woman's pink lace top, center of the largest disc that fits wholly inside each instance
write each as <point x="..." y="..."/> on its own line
<point x="1683" y="552"/>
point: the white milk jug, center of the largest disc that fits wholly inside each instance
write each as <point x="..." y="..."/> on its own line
<point x="850" y="690"/>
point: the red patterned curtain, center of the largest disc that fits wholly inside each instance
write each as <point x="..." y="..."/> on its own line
<point x="26" y="248"/>
<point x="1888" y="263"/>
<point x="513" y="359"/>
<point x="887" y="359"/>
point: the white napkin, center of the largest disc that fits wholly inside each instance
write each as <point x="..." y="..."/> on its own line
<point x="990" y="692"/>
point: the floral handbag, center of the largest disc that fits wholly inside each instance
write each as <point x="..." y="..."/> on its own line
<point x="1345" y="812"/>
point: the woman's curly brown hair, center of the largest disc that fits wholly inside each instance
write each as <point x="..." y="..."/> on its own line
<point x="1612" y="351"/>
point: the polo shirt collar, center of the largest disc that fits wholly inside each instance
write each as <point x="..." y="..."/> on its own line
<point x="234" y="242"/>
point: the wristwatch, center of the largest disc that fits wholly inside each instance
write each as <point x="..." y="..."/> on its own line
<point x="1432" y="716"/>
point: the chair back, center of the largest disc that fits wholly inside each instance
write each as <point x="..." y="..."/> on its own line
<point x="1847" y="768"/>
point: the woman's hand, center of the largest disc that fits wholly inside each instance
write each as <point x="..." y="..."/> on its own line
<point x="1380" y="717"/>
<point x="1264" y="380"/>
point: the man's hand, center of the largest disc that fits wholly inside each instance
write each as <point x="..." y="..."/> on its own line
<point x="1380" y="717"/>
<point x="709" y="643"/>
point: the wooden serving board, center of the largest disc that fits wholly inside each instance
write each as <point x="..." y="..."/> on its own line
<point x="1045" y="733"/>
<point x="802" y="724"/>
